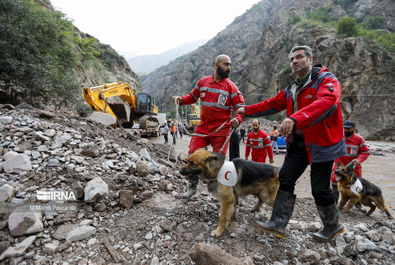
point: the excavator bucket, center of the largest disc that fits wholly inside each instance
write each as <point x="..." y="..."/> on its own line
<point x="122" y="111"/>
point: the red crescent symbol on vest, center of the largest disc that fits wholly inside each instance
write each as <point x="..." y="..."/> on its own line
<point x="226" y="175"/>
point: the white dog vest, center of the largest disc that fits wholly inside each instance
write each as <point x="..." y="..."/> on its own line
<point x="357" y="187"/>
<point x="227" y="175"/>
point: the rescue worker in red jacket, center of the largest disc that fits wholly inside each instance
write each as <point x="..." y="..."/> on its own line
<point x="259" y="141"/>
<point x="218" y="96"/>
<point x="314" y="131"/>
<point x="357" y="152"/>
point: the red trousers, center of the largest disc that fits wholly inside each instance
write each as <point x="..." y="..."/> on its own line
<point x="260" y="158"/>
<point x="216" y="142"/>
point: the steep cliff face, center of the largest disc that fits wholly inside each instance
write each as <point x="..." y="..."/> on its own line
<point x="108" y="66"/>
<point x="258" y="43"/>
<point x="46" y="61"/>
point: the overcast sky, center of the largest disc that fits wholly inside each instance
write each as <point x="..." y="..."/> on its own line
<point x="151" y="26"/>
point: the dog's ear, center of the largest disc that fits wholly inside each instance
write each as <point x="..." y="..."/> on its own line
<point x="211" y="158"/>
<point x="220" y="156"/>
<point x="339" y="164"/>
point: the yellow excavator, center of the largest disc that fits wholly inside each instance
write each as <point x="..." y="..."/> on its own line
<point x="134" y="107"/>
<point x="193" y="118"/>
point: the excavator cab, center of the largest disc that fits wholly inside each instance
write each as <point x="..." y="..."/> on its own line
<point x="144" y="103"/>
<point x="145" y="109"/>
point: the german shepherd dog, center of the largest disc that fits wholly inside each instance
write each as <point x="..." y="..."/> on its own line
<point x="253" y="178"/>
<point x="370" y="193"/>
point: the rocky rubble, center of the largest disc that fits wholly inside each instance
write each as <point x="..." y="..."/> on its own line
<point x="125" y="206"/>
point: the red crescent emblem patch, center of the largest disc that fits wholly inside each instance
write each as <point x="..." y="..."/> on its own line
<point x="226" y="175"/>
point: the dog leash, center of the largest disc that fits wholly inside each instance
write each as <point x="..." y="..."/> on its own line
<point x="350" y="164"/>
<point x="227" y="139"/>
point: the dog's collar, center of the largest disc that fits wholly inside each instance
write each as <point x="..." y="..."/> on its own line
<point x="227" y="175"/>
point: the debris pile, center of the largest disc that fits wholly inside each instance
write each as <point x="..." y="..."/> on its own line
<point x="121" y="205"/>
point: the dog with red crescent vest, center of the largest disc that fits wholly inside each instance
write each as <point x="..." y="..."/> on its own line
<point x="243" y="177"/>
<point x="370" y="194"/>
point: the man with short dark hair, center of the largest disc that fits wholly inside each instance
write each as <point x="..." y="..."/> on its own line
<point x="314" y="136"/>
<point x="357" y="152"/>
<point x="218" y="96"/>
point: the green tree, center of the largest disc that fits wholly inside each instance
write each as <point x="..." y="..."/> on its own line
<point x="374" y="23"/>
<point x="36" y="56"/>
<point x="347" y="27"/>
<point x="321" y="14"/>
<point x="295" y="19"/>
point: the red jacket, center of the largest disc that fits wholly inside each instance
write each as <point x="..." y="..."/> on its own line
<point x="260" y="144"/>
<point x="319" y="114"/>
<point x="217" y="100"/>
<point x="356" y="149"/>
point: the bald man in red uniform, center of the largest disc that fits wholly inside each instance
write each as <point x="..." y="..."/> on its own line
<point x="259" y="141"/>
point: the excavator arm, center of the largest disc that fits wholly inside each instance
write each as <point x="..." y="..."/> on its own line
<point x="96" y="96"/>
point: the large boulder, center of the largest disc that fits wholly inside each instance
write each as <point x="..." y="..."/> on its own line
<point x="15" y="163"/>
<point x="25" y="223"/>
<point x="19" y="248"/>
<point x="208" y="254"/>
<point x="95" y="190"/>
<point x="80" y="233"/>
<point x="6" y="193"/>
<point x="103" y="118"/>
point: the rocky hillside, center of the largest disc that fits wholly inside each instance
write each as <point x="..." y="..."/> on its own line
<point x="258" y="43"/>
<point x="46" y="61"/>
<point x="127" y="208"/>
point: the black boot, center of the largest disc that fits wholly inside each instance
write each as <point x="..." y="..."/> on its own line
<point x="194" y="179"/>
<point x="330" y="218"/>
<point x="282" y="212"/>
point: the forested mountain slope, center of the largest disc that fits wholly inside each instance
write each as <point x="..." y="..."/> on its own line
<point x="46" y="61"/>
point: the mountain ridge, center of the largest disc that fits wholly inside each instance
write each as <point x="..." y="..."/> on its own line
<point x="144" y="64"/>
<point x="258" y="43"/>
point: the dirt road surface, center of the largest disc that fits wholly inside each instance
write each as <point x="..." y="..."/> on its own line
<point x="379" y="169"/>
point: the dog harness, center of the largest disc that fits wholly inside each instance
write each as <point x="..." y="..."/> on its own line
<point x="227" y="175"/>
<point x="357" y="187"/>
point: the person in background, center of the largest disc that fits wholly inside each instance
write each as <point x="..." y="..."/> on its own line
<point x="180" y="128"/>
<point x="273" y="138"/>
<point x="242" y="133"/>
<point x="218" y="96"/>
<point x="259" y="141"/>
<point x="165" y="133"/>
<point x="234" y="146"/>
<point x="357" y="152"/>
<point x="173" y="132"/>
<point x="314" y="131"/>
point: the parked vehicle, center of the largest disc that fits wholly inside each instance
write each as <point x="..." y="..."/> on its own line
<point x="281" y="142"/>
